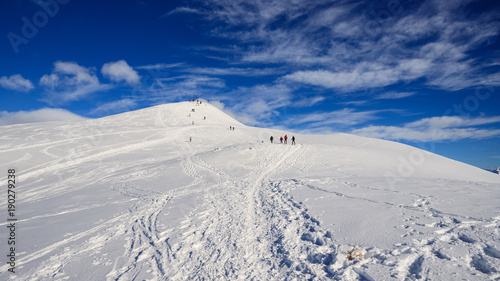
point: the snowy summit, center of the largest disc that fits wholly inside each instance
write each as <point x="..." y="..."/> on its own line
<point x="172" y="193"/>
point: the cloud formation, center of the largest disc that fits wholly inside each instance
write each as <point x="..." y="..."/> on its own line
<point x="363" y="76"/>
<point x="159" y="66"/>
<point x="16" y="82"/>
<point x="70" y="82"/>
<point x="35" y="116"/>
<point x="233" y="71"/>
<point x="435" y="129"/>
<point x="350" y="46"/>
<point x="120" y="71"/>
<point x="394" y="95"/>
<point x="258" y="105"/>
<point x="115" y="106"/>
<point x="341" y="119"/>
<point x="182" y="10"/>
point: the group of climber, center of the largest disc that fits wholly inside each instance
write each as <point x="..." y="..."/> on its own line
<point x="198" y="103"/>
<point x="285" y="139"/>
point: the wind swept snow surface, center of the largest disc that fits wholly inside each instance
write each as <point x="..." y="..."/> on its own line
<point x="148" y="195"/>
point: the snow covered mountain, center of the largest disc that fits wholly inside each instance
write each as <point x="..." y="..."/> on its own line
<point x="148" y="195"/>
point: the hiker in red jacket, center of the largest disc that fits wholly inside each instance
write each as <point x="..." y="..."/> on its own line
<point x="281" y="139"/>
<point x="286" y="138"/>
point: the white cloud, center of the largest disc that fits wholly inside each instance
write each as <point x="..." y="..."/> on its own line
<point x="217" y="104"/>
<point x="394" y="95"/>
<point x="221" y="106"/>
<point x="161" y="87"/>
<point x="233" y="71"/>
<point x="35" y="116"/>
<point x="160" y="66"/>
<point x="192" y="82"/>
<point x="307" y="102"/>
<point x="345" y="81"/>
<point x="342" y="118"/>
<point x="429" y="135"/>
<point x="69" y="82"/>
<point x="452" y="121"/>
<point x="258" y="105"/>
<point x="16" y="82"/>
<point x="435" y="41"/>
<point x="182" y="10"/>
<point x="120" y="71"/>
<point x="115" y="106"/>
<point x="50" y="81"/>
<point x="354" y="102"/>
<point x="267" y="105"/>
<point x="364" y="75"/>
<point x="445" y="128"/>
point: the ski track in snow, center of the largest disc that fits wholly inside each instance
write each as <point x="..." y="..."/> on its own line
<point x="249" y="230"/>
<point x="245" y="227"/>
<point x="252" y="229"/>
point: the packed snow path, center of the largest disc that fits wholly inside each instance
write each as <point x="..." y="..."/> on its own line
<point x="130" y="197"/>
<point x="245" y="228"/>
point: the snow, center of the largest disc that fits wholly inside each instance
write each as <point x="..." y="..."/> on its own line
<point x="129" y="197"/>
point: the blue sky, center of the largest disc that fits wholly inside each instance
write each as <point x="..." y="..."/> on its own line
<point x="425" y="73"/>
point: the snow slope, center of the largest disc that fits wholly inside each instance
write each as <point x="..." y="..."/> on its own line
<point x="129" y="197"/>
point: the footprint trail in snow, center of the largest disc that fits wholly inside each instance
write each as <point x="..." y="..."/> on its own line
<point x="146" y="195"/>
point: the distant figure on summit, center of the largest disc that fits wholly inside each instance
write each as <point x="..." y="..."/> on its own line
<point x="293" y="140"/>
<point x="271" y="139"/>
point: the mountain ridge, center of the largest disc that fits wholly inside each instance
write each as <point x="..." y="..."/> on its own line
<point x="150" y="195"/>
